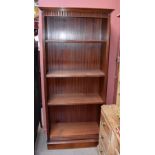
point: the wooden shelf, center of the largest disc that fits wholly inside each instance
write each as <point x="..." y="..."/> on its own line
<point x="75" y="41"/>
<point x="75" y="100"/>
<point x="67" y="144"/>
<point x="85" y="73"/>
<point x="74" y="131"/>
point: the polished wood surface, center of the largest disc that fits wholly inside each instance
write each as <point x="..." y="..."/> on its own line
<point x="43" y="72"/>
<point x="74" y="113"/>
<point x="77" y="12"/>
<point x="74" y="56"/>
<point x="75" y="46"/>
<point x="63" y="28"/>
<point x="75" y="99"/>
<point x="73" y="73"/>
<point x="72" y="144"/>
<point x="69" y="86"/>
<point x="74" y="41"/>
<point x="74" y="130"/>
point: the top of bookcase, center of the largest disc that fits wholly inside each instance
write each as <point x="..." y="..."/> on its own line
<point x="86" y="10"/>
<point x="86" y="4"/>
<point x="76" y="12"/>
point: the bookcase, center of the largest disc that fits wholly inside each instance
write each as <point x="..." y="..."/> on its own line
<point x="74" y="44"/>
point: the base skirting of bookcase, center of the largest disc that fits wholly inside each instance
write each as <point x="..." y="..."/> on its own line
<point x="72" y="144"/>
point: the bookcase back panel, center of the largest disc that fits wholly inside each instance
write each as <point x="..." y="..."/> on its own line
<point x="78" y="86"/>
<point x="73" y="56"/>
<point x="74" y="113"/>
<point x="63" y="28"/>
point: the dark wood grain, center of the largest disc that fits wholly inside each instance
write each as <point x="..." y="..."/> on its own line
<point x="72" y="144"/>
<point x="62" y="28"/>
<point x="75" y="99"/>
<point x="77" y="12"/>
<point x="75" y="53"/>
<point x="106" y="60"/>
<point x="74" y="131"/>
<point x="75" y="41"/>
<point x="43" y="72"/>
<point x="74" y="113"/>
<point x="75" y="73"/>
<point x="71" y="86"/>
<point x="73" y="56"/>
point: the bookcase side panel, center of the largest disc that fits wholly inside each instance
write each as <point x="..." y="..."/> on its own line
<point x="43" y="72"/>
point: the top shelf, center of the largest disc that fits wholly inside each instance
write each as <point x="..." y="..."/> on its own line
<point x="75" y="41"/>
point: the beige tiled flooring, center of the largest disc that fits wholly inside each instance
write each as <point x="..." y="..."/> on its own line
<point x="41" y="148"/>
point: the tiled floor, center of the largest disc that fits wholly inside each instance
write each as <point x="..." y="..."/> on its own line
<point x="41" y="148"/>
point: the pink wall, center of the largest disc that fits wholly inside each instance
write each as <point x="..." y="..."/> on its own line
<point x="115" y="29"/>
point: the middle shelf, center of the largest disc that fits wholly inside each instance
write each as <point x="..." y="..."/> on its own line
<point x="75" y="73"/>
<point x="75" y="99"/>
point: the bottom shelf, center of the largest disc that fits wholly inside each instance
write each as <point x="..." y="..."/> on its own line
<point x="72" y="144"/>
<point x="74" y="131"/>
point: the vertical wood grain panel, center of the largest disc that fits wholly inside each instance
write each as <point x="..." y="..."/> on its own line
<point x="105" y="60"/>
<point x="63" y="28"/>
<point x="75" y="113"/>
<point x="43" y="72"/>
<point x="60" y="86"/>
<point x="73" y="56"/>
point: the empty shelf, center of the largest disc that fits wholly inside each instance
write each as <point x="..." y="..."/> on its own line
<point x="75" y="100"/>
<point x="74" y="130"/>
<point x="75" y="41"/>
<point x="85" y="73"/>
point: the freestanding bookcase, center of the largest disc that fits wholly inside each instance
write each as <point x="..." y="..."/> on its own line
<point x="74" y="47"/>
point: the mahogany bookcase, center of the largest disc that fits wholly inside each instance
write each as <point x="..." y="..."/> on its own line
<point x="74" y="46"/>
